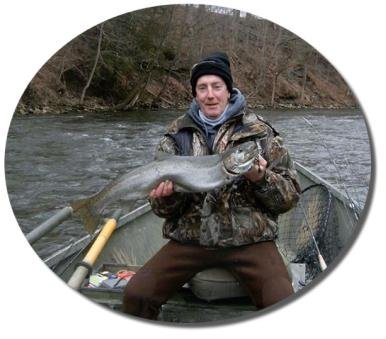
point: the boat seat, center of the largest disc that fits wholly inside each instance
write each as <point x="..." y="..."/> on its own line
<point x="218" y="283"/>
<point x="215" y="283"/>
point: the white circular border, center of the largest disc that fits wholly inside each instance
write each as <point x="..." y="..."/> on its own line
<point x="34" y="301"/>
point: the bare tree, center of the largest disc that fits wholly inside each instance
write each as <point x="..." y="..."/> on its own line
<point x="138" y="90"/>
<point x="151" y="47"/>
<point x="303" y="84"/>
<point x="98" y="53"/>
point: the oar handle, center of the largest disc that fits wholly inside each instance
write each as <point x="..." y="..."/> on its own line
<point x="322" y="263"/>
<point x="49" y="224"/>
<point x="87" y="263"/>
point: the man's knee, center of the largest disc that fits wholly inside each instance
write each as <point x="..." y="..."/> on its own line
<point x="275" y="289"/>
<point x="140" y="304"/>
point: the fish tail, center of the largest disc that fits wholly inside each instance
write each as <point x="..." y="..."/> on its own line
<point x="87" y="212"/>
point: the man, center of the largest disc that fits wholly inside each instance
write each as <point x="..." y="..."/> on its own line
<point x="233" y="227"/>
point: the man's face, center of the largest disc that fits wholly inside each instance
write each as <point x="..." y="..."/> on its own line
<point x="212" y="95"/>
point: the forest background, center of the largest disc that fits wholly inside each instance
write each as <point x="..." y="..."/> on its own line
<point x="142" y="60"/>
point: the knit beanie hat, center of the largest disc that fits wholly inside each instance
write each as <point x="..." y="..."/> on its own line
<point x="215" y="64"/>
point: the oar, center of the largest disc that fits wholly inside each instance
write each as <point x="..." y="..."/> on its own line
<point x="49" y="224"/>
<point x="85" y="266"/>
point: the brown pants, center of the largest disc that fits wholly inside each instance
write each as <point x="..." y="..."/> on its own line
<point x="259" y="268"/>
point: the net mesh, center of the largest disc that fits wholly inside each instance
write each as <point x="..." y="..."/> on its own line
<point x="310" y="229"/>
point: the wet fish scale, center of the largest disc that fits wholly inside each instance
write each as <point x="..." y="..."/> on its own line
<point x="189" y="174"/>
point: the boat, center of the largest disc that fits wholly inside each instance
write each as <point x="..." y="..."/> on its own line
<point x="311" y="237"/>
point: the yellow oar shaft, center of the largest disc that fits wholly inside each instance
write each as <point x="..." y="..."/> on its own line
<point x="100" y="242"/>
<point x="82" y="270"/>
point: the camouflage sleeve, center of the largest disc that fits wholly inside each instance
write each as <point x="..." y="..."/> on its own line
<point x="279" y="190"/>
<point x="170" y="206"/>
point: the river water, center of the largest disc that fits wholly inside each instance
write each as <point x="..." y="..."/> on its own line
<point x="51" y="160"/>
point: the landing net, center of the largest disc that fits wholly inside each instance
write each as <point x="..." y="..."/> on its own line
<point x="310" y="229"/>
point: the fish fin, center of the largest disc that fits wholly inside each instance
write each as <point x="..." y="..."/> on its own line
<point x="87" y="213"/>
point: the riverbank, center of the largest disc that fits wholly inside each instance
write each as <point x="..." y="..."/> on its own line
<point x="142" y="60"/>
<point x="95" y="107"/>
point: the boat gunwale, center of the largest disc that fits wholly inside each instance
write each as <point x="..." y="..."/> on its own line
<point x="338" y="194"/>
<point x="80" y="244"/>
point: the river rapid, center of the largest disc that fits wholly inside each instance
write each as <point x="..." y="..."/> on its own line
<point x="52" y="160"/>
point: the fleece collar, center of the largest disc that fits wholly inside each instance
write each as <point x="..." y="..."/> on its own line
<point x="234" y="108"/>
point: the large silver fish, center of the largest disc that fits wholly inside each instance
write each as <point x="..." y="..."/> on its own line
<point x="188" y="173"/>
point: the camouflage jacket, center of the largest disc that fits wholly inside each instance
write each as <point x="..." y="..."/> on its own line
<point x="239" y="213"/>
